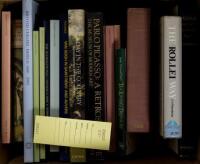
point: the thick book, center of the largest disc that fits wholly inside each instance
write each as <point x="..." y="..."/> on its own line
<point x="95" y="75"/>
<point x="54" y="72"/>
<point x="187" y="146"/>
<point x="76" y="33"/>
<point x="6" y="78"/>
<point x="138" y="68"/>
<point x="29" y="9"/>
<point x="17" y="78"/>
<point x="171" y="77"/>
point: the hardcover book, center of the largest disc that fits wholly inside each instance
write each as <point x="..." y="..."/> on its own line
<point x="54" y="72"/>
<point x="64" y="77"/>
<point x="17" y="77"/>
<point x="29" y="9"/>
<point x="138" y="53"/>
<point x="120" y="87"/>
<point x="112" y="42"/>
<point x="6" y="78"/>
<point x="171" y="77"/>
<point x="95" y="75"/>
<point x="187" y="146"/>
<point x="76" y="32"/>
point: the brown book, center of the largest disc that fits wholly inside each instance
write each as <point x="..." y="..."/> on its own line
<point x="112" y="42"/>
<point x="6" y="77"/>
<point x="138" y="53"/>
<point x="17" y="81"/>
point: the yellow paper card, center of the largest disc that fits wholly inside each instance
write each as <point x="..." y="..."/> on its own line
<point x="72" y="132"/>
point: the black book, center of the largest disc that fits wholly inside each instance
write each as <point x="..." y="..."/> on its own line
<point x="187" y="145"/>
<point x="95" y="74"/>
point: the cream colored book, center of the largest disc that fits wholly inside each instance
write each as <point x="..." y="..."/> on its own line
<point x="171" y="77"/>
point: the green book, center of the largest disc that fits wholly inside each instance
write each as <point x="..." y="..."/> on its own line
<point x="120" y="79"/>
<point x="42" y="81"/>
<point x="36" y="91"/>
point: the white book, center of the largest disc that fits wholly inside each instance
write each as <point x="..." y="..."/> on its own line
<point x="54" y="72"/>
<point x="29" y="9"/>
<point x="171" y="77"/>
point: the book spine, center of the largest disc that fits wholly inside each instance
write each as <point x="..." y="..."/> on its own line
<point x="76" y="73"/>
<point x="42" y="80"/>
<point x="187" y="145"/>
<point x="64" y="78"/>
<point x="47" y="74"/>
<point x="110" y="104"/>
<point x="17" y="76"/>
<point x="54" y="72"/>
<point x="47" y="69"/>
<point x="171" y="56"/>
<point x="120" y="80"/>
<point x="112" y="39"/>
<point x="6" y="78"/>
<point x="138" y="30"/>
<point x="36" y="89"/>
<point x="98" y="77"/>
<point x="89" y="66"/>
<point x="29" y="9"/>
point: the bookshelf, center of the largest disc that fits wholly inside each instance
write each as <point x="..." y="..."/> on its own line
<point x="151" y="147"/>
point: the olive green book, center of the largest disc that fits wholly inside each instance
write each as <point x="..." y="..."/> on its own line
<point x="36" y="91"/>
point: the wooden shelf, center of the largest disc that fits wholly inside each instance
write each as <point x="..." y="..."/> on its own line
<point x="152" y="160"/>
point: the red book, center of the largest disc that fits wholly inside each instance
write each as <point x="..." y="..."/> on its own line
<point x="138" y="53"/>
<point x="6" y="77"/>
<point x="112" y="42"/>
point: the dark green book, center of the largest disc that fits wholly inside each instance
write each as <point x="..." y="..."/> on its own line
<point x="120" y="87"/>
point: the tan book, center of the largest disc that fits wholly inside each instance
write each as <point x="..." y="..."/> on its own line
<point x="138" y="53"/>
<point x="6" y="77"/>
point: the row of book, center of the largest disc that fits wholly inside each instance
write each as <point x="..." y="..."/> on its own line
<point x="74" y="67"/>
